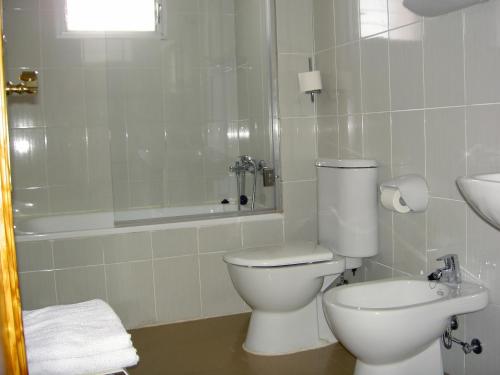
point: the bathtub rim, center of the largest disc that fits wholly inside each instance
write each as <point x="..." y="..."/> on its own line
<point x="151" y="225"/>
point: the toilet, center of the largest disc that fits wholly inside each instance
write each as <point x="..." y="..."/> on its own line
<point x="284" y="284"/>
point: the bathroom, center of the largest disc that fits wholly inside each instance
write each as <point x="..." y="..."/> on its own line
<point x="147" y="232"/>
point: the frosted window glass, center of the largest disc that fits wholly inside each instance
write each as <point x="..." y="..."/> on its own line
<point x="111" y="15"/>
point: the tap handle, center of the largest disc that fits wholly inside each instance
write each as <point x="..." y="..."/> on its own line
<point x="450" y="261"/>
<point x="452" y="264"/>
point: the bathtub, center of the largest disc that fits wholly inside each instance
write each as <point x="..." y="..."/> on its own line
<point x="103" y="223"/>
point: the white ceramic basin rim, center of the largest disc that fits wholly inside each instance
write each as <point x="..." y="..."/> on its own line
<point x="482" y="192"/>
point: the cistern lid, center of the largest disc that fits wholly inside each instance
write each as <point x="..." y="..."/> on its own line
<point x="283" y="255"/>
<point x="346" y="163"/>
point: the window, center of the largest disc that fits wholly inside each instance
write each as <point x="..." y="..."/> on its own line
<point x="112" y="15"/>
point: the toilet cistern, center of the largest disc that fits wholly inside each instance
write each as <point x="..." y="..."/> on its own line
<point x="450" y="273"/>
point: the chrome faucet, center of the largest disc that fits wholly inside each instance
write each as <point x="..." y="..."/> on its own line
<point x="450" y="273"/>
<point x="246" y="164"/>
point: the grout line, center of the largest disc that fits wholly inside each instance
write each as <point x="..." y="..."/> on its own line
<point x="426" y="213"/>
<point x="335" y="70"/>
<point x="199" y="269"/>
<point x="391" y="141"/>
<point x="54" y="273"/>
<point x="150" y="237"/>
<point x="106" y="288"/>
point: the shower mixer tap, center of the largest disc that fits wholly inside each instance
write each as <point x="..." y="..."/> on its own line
<point x="246" y="164"/>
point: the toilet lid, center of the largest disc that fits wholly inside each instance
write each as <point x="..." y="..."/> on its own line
<point x="282" y="255"/>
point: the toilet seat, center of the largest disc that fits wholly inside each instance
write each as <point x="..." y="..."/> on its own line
<point x="281" y="255"/>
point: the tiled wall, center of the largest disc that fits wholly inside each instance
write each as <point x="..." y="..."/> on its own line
<point x="59" y="138"/>
<point x="148" y="277"/>
<point x="297" y="119"/>
<point x="419" y="96"/>
<point x="173" y="109"/>
<point x="151" y="277"/>
<point x="130" y="123"/>
<point x="253" y="83"/>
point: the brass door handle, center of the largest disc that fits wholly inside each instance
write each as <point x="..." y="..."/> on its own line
<point x="27" y="86"/>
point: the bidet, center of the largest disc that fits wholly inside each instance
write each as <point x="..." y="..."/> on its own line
<point x="371" y="320"/>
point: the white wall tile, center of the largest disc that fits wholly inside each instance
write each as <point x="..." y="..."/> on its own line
<point x="71" y="169"/>
<point x="63" y="97"/>
<point x="58" y="51"/>
<point x="408" y="143"/>
<point x="298" y="148"/>
<point x="483" y="256"/>
<point x="37" y="289"/>
<point x="126" y="247"/>
<point x="290" y="37"/>
<point x="445" y="164"/>
<point x="446" y="231"/>
<point x="406" y="67"/>
<point x="28" y="150"/>
<point x="444" y="61"/>
<point x="348" y="78"/>
<point x="483" y="325"/>
<point x="174" y="242"/>
<point x="130" y="292"/>
<point x="351" y="136"/>
<point x="376" y="271"/>
<point x="328" y="137"/>
<point x="262" y="233"/>
<point x="410" y="243"/>
<point x="326" y="102"/>
<point x="219" y="238"/>
<point x="217" y="292"/>
<point x="22" y="32"/>
<point x="177" y="289"/>
<point x="375" y="73"/>
<point x="399" y="15"/>
<point x="373" y="17"/>
<point x="346" y="20"/>
<point x="34" y="256"/>
<point x="324" y="24"/>
<point x="299" y="206"/>
<point x="482" y="55"/>
<point x="77" y="252"/>
<point x="483" y="137"/>
<point x="80" y="284"/>
<point x="377" y="142"/>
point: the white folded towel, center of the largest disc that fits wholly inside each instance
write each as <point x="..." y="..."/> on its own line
<point x="98" y="364"/>
<point x="80" y="333"/>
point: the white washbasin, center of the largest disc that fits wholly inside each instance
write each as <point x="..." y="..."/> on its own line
<point x="394" y="325"/>
<point x="482" y="192"/>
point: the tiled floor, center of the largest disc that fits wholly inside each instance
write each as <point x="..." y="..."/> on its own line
<point x="213" y="347"/>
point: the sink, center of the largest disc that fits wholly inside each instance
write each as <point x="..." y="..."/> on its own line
<point x="482" y="192"/>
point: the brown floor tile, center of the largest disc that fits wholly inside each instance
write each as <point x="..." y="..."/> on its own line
<point x="213" y="347"/>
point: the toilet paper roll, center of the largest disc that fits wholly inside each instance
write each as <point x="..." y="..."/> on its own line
<point x="310" y="81"/>
<point x="391" y="199"/>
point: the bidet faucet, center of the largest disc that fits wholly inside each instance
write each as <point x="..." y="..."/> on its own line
<point x="450" y="273"/>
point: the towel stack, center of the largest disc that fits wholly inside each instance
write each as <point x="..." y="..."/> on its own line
<point x="79" y="339"/>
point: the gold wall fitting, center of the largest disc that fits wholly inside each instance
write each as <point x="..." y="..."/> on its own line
<point x="27" y="86"/>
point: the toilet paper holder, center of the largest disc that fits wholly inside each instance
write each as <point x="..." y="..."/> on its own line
<point x="310" y="82"/>
<point x="404" y="194"/>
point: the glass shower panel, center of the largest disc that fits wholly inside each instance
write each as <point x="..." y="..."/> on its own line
<point x="185" y="105"/>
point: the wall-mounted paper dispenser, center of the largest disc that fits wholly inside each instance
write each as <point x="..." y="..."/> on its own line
<point x="432" y="8"/>
<point x="310" y="82"/>
<point x="408" y="193"/>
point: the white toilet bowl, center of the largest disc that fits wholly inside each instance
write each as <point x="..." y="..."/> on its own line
<point x="280" y="284"/>
<point x="393" y="326"/>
